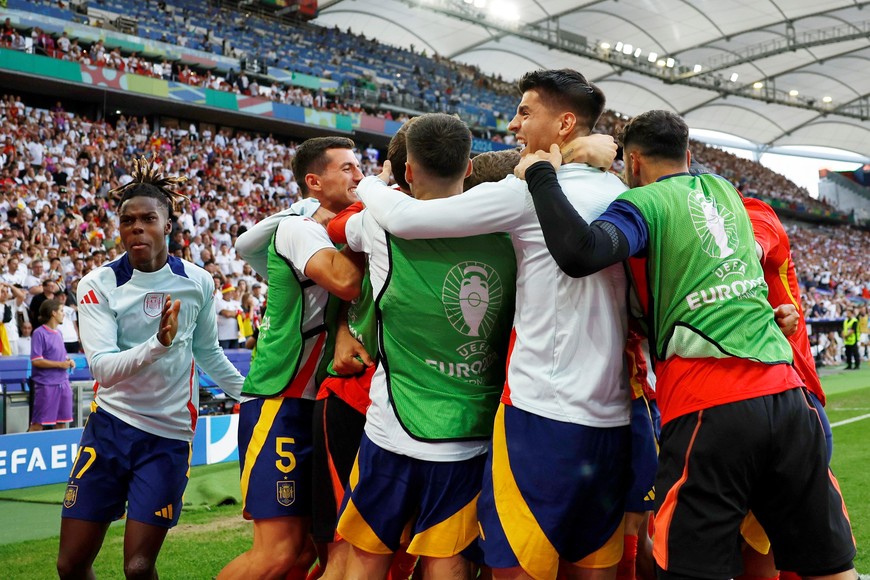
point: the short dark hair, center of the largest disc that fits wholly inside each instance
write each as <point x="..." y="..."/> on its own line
<point x="440" y="143"/>
<point x="397" y="154"/>
<point x="491" y="166"/>
<point x="149" y="182"/>
<point x="657" y="133"/>
<point x="311" y="157"/>
<point x="566" y="90"/>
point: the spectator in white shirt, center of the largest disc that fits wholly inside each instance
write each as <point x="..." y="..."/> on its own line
<point x="223" y="236"/>
<point x="185" y="222"/>
<point x="257" y="294"/>
<point x="69" y="329"/>
<point x="10" y="298"/>
<point x="228" y="308"/>
<point x="24" y="339"/>
<point x="63" y="42"/>
<point x="36" y="151"/>
<point x="16" y="272"/>
<point x="224" y="260"/>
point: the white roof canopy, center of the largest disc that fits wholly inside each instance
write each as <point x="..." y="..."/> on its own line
<point x="810" y="52"/>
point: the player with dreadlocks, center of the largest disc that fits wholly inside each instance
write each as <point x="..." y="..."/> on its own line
<point x="135" y="450"/>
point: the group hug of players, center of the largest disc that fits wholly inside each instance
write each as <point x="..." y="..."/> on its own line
<point x="462" y="388"/>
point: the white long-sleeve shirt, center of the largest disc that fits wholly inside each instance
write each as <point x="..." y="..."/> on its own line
<point x="567" y="362"/>
<point x="253" y="245"/>
<point x="141" y="382"/>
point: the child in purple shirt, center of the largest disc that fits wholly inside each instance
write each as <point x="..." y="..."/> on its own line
<point x="52" y="397"/>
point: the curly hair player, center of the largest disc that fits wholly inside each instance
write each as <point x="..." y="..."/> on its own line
<point x="135" y="451"/>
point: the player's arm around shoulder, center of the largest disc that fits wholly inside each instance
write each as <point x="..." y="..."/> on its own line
<point x="253" y="245"/>
<point x="338" y="272"/>
<point x="307" y="246"/>
<point x="483" y="209"/>
<point x="337" y="226"/>
<point x="359" y="232"/>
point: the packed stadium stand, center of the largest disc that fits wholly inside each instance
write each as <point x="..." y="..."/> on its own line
<point x="363" y="70"/>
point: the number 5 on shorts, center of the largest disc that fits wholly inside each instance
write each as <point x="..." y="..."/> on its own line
<point x="287" y="463"/>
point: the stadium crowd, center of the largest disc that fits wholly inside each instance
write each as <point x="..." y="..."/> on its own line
<point x="434" y="83"/>
<point x="755" y="180"/>
<point x="834" y="280"/>
<point x="417" y="82"/>
<point x="234" y="81"/>
<point x="57" y="168"/>
<point x="57" y="218"/>
<point x="373" y="77"/>
<point x="833" y="259"/>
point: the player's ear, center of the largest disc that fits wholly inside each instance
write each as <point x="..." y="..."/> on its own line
<point x="688" y="158"/>
<point x="312" y="180"/>
<point x="469" y="169"/>
<point x="409" y="173"/>
<point x="567" y="123"/>
<point x="634" y="163"/>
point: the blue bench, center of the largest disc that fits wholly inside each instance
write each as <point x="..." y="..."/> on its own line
<point x="14" y="372"/>
<point x="81" y="372"/>
<point x="241" y="359"/>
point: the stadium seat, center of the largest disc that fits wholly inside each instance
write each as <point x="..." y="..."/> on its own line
<point x="14" y="372"/>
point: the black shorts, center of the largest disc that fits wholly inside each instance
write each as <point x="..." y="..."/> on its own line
<point x="338" y="429"/>
<point x="766" y="454"/>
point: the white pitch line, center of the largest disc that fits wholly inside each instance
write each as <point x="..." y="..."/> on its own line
<point x="852" y="420"/>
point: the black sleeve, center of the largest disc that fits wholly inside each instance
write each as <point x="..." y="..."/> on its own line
<point x="7" y="313"/>
<point x="578" y="248"/>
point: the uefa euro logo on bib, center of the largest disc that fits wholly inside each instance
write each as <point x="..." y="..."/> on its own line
<point x="716" y="227"/>
<point x="472" y="294"/>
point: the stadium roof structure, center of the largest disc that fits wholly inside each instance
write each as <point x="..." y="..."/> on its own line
<point x="774" y="72"/>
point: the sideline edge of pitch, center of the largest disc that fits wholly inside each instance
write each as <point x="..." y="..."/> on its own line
<point x="846" y="422"/>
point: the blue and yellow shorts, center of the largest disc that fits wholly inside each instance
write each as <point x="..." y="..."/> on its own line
<point x="644" y="456"/>
<point x="551" y="491"/>
<point x="275" y="445"/>
<point x="393" y="500"/>
<point x="117" y="465"/>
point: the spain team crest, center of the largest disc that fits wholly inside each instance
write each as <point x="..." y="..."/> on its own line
<point x="154" y="303"/>
<point x="286" y="492"/>
<point x="69" y="498"/>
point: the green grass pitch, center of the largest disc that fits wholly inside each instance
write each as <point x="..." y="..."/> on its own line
<point x="212" y="532"/>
